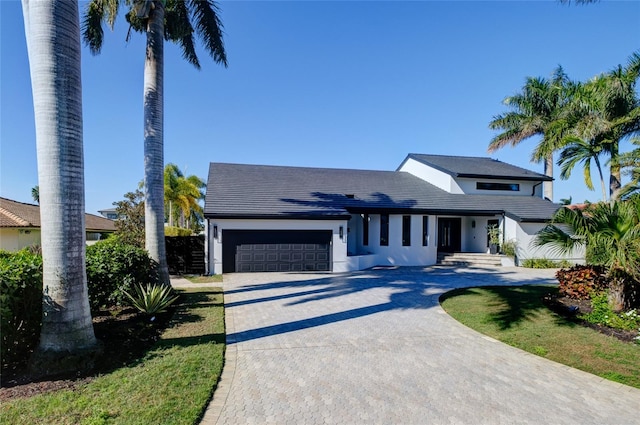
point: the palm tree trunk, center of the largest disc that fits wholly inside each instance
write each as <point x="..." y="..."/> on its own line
<point x="67" y="341"/>
<point x="604" y="190"/>
<point x="154" y="141"/>
<point x="615" y="177"/>
<point x="548" y="171"/>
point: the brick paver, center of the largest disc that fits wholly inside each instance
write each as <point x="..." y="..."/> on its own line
<point x="374" y="347"/>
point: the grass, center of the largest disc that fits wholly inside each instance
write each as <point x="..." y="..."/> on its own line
<point x="517" y="316"/>
<point x="216" y="278"/>
<point x="172" y="384"/>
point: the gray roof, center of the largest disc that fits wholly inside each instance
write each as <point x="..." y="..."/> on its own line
<point x="474" y="167"/>
<point x="264" y="191"/>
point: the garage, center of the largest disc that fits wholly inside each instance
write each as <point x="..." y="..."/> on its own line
<point x="276" y="250"/>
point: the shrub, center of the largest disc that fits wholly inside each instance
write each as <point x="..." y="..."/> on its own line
<point x="112" y="268"/>
<point x="581" y="282"/>
<point x="177" y="231"/>
<point x="20" y="303"/>
<point x="544" y="263"/>
<point x="603" y="314"/>
<point x="152" y="299"/>
<point x="509" y="248"/>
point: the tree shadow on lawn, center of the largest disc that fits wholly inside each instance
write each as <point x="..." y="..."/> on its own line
<point x="408" y="287"/>
<point x="517" y="303"/>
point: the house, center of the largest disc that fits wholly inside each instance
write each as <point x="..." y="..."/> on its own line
<point x="20" y="225"/>
<point x="110" y="213"/>
<point x="280" y="218"/>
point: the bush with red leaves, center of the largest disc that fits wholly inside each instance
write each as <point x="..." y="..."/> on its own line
<point x="580" y="281"/>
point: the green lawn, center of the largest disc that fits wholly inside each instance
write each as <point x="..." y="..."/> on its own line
<point x="517" y="316"/>
<point x="216" y="278"/>
<point x="172" y="384"/>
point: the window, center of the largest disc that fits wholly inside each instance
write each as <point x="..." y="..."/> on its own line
<point x="365" y="229"/>
<point x="425" y="230"/>
<point x="513" y="187"/>
<point x="384" y="229"/>
<point x="406" y="230"/>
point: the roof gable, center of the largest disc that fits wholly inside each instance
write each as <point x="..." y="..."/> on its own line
<point x="477" y="167"/>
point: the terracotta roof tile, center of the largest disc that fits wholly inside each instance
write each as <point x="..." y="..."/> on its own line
<point x="19" y="214"/>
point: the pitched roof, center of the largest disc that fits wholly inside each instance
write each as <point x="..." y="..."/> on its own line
<point x="474" y="167"/>
<point x="265" y="191"/>
<point x="19" y="214"/>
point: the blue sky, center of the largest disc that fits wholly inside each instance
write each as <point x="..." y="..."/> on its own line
<point x="343" y="84"/>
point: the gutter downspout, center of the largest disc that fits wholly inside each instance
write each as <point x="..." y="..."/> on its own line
<point x="533" y="191"/>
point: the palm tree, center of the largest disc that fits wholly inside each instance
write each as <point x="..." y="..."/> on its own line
<point x="67" y="341"/>
<point x="607" y="111"/>
<point x="536" y="111"/>
<point x="610" y="233"/>
<point x="158" y="19"/>
<point x="580" y="151"/>
<point x="172" y="174"/>
<point x="630" y="163"/>
<point x="191" y="191"/>
<point x="182" y="194"/>
<point x="35" y="194"/>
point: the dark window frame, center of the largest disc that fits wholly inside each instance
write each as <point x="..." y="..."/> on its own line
<point x="425" y="230"/>
<point x="365" y="230"/>
<point x="510" y="187"/>
<point x="406" y="230"/>
<point x="384" y="229"/>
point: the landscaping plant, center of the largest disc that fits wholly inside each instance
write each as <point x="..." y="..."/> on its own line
<point x="152" y="299"/>
<point x="610" y="234"/>
<point x="114" y="267"/>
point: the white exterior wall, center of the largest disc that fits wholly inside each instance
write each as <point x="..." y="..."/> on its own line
<point x="361" y="257"/>
<point x="474" y="239"/>
<point x="437" y="178"/>
<point x="214" y="246"/>
<point x="468" y="186"/>
<point x="396" y="254"/>
<point x="526" y="250"/>
<point x="16" y="239"/>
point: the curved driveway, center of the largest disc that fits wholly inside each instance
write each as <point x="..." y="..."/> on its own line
<point x="374" y="347"/>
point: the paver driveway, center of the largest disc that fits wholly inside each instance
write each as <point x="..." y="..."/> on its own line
<point x="374" y="347"/>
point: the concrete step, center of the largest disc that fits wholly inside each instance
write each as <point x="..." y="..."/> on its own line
<point x="469" y="259"/>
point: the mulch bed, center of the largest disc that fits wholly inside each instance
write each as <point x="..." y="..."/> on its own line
<point x="569" y="308"/>
<point x="126" y="336"/>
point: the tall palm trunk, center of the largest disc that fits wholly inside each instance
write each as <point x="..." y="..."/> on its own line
<point x="67" y="341"/>
<point x="548" y="171"/>
<point x="602" y="185"/>
<point x="614" y="173"/>
<point x="154" y="141"/>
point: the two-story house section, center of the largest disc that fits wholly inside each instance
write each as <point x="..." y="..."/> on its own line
<point x="277" y="218"/>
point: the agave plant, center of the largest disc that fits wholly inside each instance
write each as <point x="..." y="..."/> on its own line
<point x="153" y="299"/>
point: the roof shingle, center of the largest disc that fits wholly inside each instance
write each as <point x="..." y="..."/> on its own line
<point x="262" y="191"/>
<point x="471" y="166"/>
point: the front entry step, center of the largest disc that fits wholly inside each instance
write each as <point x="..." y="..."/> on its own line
<point x="469" y="259"/>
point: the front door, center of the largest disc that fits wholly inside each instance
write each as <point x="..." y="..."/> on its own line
<point x="449" y="234"/>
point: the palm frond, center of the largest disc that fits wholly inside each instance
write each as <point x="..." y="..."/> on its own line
<point x="209" y="27"/>
<point x="92" y="32"/>
<point x="557" y="241"/>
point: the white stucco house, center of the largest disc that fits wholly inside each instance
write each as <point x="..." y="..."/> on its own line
<point x="20" y="225"/>
<point x="280" y="218"/>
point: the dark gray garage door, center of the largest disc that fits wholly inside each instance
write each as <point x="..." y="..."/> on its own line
<point x="275" y="250"/>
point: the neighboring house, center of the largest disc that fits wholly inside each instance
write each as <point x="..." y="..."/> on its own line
<point x="109" y="213"/>
<point x="20" y="225"/>
<point x="277" y="218"/>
